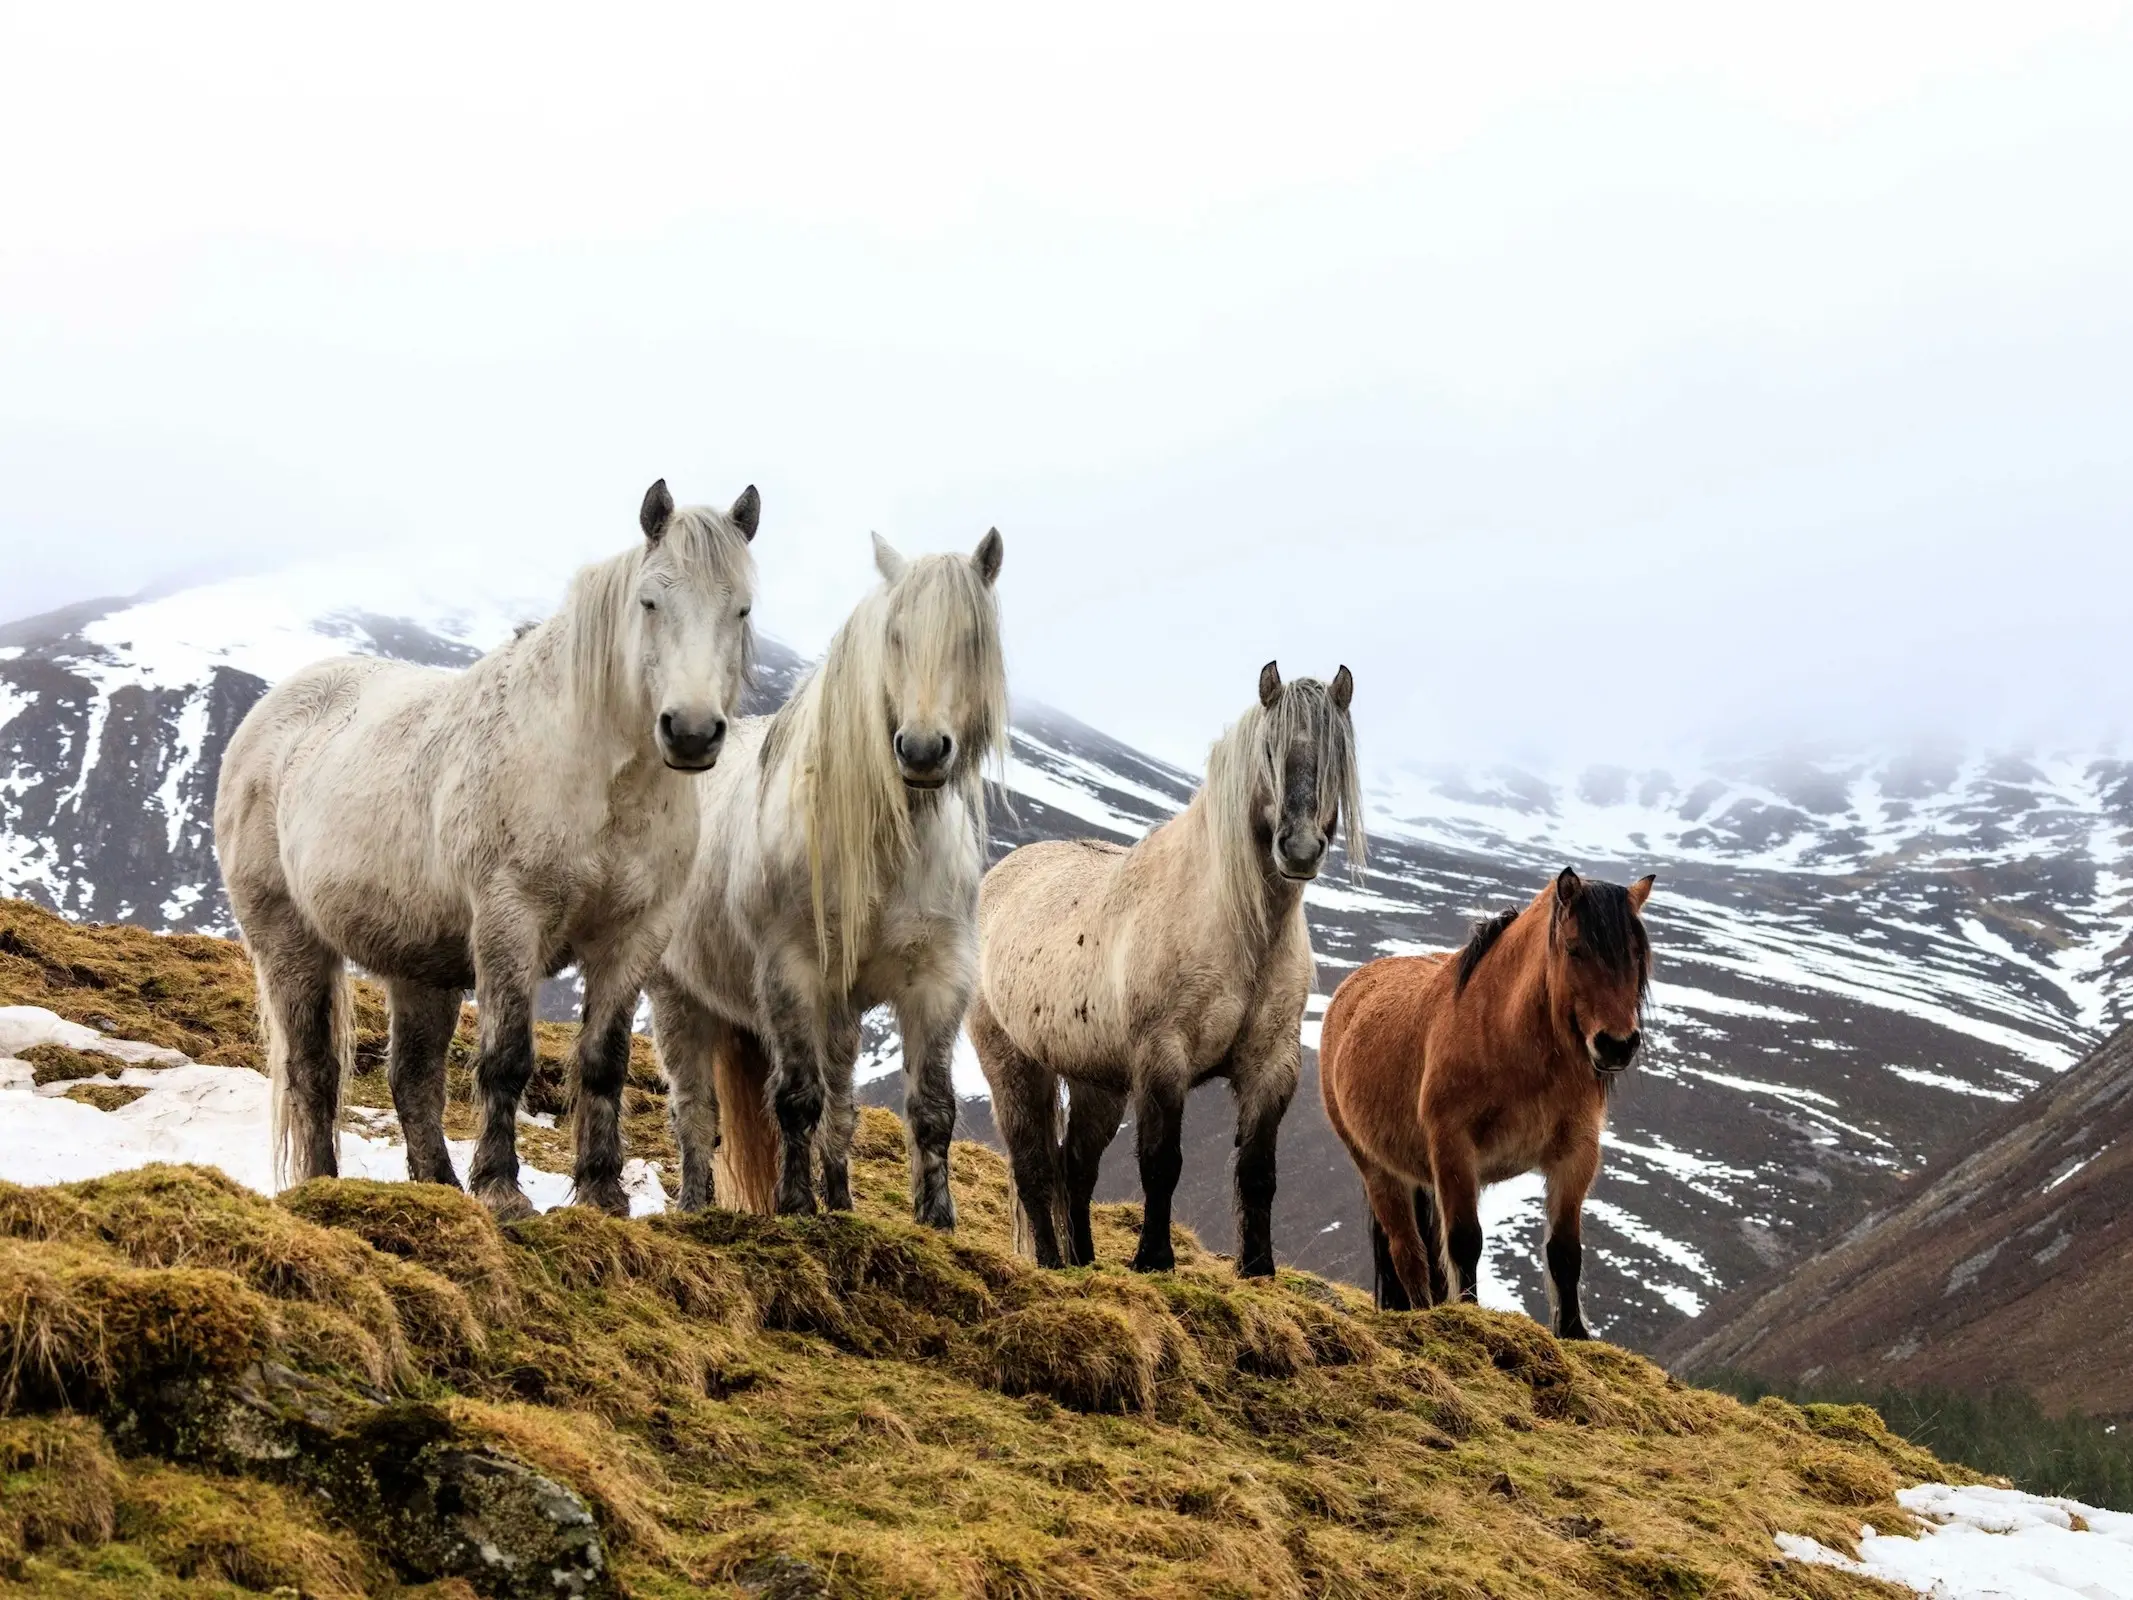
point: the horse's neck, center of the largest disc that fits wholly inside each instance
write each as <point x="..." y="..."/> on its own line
<point x="611" y="735"/>
<point x="1514" y="999"/>
<point x="1226" y="863"/>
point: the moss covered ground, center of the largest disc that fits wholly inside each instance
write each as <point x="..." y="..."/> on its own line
<point x="842" y="1405"/>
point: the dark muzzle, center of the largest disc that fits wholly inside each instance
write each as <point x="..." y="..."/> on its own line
<point x="1610" y="1054"/>
<point x="689" y="740"/>
<point x="1300" y="853"/>
<point x="924" y="758"/>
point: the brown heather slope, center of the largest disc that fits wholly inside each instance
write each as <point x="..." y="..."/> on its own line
<point x="371" y="1388"/>
<point x="2009" y="1264"/>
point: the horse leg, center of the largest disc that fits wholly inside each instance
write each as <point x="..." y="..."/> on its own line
<point x="1401" y="1253"/>
<point x="303" y="997"/>
<point x="929" y="1015"/>
<point x="1458" y="1187"/>
<point x="1262" y="1101"/>
<point x="1430" y="1228"/>
<point x="1093" y="1116"/>
<point x="600" y="1068"/>
<point x="423" y="1022"/>
<point x="840" y="1112"/>
<point x="1025" y="1107"/>
<point x="1568" y="1183"/>
<point x="687" y="1035"/>
<point x="792" y="1020"/>
<point x="505" y="973"/>
<point x="1158" y="1129"/>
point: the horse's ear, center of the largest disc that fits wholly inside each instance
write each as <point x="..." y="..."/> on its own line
<point x="1270" y="684"/>
<point x="986" y="558"/>
<point x="747" y="512"/>
<point x="658" y="506"/>
<point x="886" y="561"/>
<point x="1641" y="891"/>
<point x="1568" y="886"/>
<point x="1343" y="689"/>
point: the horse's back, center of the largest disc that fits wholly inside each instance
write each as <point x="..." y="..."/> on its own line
<point x="1043" y="959"/>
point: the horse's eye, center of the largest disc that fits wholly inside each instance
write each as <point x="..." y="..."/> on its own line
<point x="743" y="612"/>
<point x="649" y="605"/>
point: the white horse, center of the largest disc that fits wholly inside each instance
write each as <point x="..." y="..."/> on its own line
<point x="486" y="828"/>
<point x="843" y="843"/>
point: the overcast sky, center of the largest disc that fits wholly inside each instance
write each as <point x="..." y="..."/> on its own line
<point x="1594" y="380"/>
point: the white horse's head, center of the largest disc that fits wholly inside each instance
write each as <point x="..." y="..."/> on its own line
<point x="1305" y="777"/>
<point x="943" y="680"/>
<point x="694" y="588"/>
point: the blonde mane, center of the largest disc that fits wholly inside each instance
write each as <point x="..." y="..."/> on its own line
<point x="839" y="724"/>
<point x="1245" y="766"/>
<point x="595" y="632"/>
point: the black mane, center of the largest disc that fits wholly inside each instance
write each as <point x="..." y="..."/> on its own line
<point x="1608" y="926"/>
<point x="1480" y="940"/>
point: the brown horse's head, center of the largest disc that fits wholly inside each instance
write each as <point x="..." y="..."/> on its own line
<point x="1599" y="966"/>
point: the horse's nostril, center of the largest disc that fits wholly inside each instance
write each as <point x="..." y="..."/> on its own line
<point x="666" y="725"/>
<point x="923" y="752"/>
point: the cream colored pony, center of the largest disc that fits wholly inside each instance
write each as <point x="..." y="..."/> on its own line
<point x="1144" y="972"/>
<point x="838" y="870"/>
<point x="484" y="828"/>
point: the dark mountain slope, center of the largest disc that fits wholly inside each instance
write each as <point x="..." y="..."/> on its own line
<point x="2008" y="1263"/>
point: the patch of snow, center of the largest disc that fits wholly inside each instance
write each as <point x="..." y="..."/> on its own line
<point x="1941" y="1080"/>
<point x="2061" y="1176"/>
<point x="200" y="1114"/>
<point x="1991" y="1544"/>
<point x="25" y="1027"/>
<point x="1677" y="997"/>
<point x="191" y="735"/>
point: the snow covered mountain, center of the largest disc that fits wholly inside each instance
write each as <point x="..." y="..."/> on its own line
<point x="1860" y="957"/>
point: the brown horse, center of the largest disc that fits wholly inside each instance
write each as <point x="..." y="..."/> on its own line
<point x="1445" y="1072"/>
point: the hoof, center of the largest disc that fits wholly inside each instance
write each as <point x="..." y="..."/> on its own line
<point x="1257" y="1269"/>
<point x="1146" y="1260"/>
<point x="1576" y="1330"/>
<point x="797" y="1205"/>
<point x="608" y="1196"/>
<point x="940" y="1215"/>
<point x="507" y="1202"/>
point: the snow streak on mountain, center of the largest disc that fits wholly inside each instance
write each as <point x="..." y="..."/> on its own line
<point x="1858" y="958"/>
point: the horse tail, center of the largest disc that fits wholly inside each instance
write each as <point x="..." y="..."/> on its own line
<point x="271" y="1009"/>
<point x="749" y="1144"/>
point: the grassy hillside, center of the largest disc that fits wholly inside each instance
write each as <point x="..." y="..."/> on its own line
<point x="360" y="1387"/>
